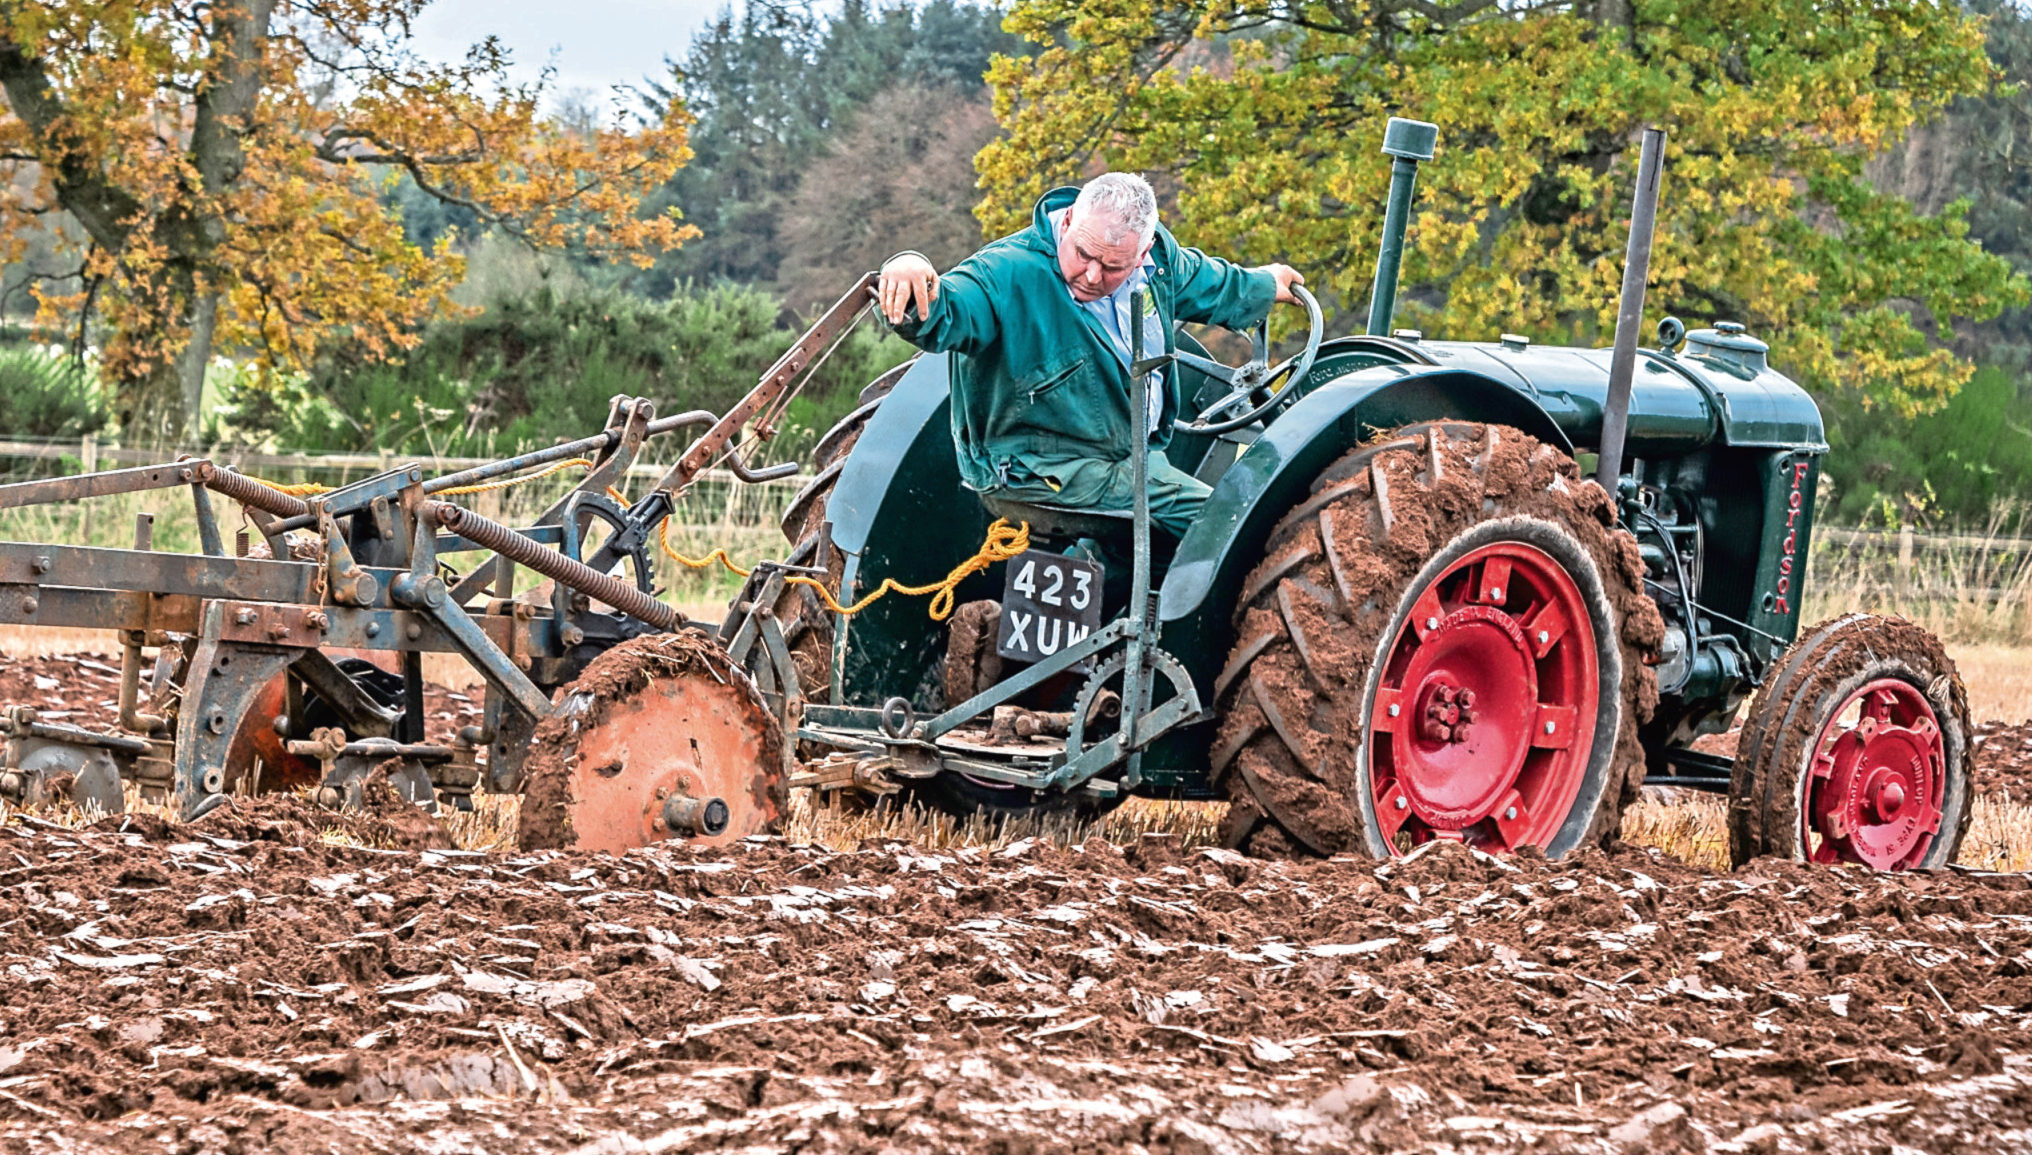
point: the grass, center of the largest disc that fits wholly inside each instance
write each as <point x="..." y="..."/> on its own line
<point x="1999" y="680"/>
<point x="1192" y="823"/>
<point x="1694" y="830"/>
<point x="1972" y="587"/>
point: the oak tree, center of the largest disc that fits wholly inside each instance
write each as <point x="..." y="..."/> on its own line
<point x="223" y="161"/>
<point x="1269" y="115"/>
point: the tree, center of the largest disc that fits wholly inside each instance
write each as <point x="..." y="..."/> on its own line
<point x="772" y="89"/>
<point x="902" y="177"/>
<point x="223" y="162"/>
<point x="1269" y="115"/>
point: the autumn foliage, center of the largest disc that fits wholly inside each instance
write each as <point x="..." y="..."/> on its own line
<point x="1269" y="117"/>
<point x="223" y="164"/>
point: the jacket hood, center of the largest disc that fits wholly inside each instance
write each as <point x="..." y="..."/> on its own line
<point x="1040" y="223"/>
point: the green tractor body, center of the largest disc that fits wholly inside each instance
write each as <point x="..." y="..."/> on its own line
<point x="1727" y="450"/>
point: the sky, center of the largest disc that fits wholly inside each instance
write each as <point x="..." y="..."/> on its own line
<point x="595" y="44"/>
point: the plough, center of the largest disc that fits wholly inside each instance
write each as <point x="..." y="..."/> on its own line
<point x="303" y="667"/>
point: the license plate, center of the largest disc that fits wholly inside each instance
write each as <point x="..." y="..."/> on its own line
<point x="1049" y="602"/>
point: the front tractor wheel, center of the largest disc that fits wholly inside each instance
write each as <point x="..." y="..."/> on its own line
<point x="1855" y="750"/>
<point x="1446" y="642"/>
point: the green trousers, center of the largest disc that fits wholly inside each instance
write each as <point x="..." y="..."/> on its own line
<point x="1087" y="483"/>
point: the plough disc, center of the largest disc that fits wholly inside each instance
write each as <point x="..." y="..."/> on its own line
<point x="662" y="737"/>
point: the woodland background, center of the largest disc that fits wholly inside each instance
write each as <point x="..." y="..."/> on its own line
<point x="824" y="138"/>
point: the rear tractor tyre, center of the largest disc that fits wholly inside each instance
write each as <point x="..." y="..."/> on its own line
<point x="1856" y="749"/>
<point x="1445" y="641"/>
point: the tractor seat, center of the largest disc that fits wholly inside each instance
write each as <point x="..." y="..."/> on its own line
<point x="1057" y="521"/>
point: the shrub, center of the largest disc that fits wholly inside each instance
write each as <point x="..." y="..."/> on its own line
<point x="1957" y="463"/>
<point x="541" y="366"/>
<point x="47" y="396"/>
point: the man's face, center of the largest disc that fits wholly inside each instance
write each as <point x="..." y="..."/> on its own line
<point x="1091" y="266"/>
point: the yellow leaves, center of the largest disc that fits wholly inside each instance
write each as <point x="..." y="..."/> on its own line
<point x="280" y="211"/>
<point x="1272" y="140"/>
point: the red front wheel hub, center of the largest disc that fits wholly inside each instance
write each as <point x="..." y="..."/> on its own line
<point x="1483" y="721"/>
<point x="1878" y="786"/>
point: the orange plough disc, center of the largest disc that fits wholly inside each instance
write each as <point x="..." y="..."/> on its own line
<point x="661" y="737"/>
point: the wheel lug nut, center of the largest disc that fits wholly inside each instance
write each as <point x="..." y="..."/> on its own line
<point x="1401" y="803"/>
<point x="1543" y="637"/>
<point x="1548" y="727"/>
<point x="1432" y="623"/>
<point x="1395" y="709"/>
<point x="1510" y="815"/>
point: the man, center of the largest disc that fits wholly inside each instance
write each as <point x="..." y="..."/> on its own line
<point x="1039" y="324"/>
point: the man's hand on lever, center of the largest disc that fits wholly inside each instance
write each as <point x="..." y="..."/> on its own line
<point x="907" y="279"/>
<point x="1286" y="277"/>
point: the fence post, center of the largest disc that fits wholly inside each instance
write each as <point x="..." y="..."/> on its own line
<point x="1905" y="560"/>
<point x="88" y="453"/>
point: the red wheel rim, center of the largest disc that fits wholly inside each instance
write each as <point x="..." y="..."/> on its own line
<point x="1878" y="787"/>
<point x="1483" y="720"/>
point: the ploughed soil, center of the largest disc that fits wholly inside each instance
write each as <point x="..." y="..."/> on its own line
<point x="238" y="985"/>
<point x="2004" y="760"/>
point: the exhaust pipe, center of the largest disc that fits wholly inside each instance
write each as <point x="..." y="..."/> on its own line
<point x="1630" y="310"/>
<point x="1409" y="141"/>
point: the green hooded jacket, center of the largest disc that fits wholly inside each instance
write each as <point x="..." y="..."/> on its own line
<point x="1035" y="375"/>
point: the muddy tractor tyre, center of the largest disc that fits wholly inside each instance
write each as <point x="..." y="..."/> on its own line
<point x="1447" y="639"/>
<point x="1856" y="749"/>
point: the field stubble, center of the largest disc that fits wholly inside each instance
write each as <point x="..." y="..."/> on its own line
<point x="1690" y="827"/>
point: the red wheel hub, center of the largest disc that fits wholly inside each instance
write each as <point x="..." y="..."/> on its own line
<point x="1879" y="783"/>
<point x="1484" y="717"/>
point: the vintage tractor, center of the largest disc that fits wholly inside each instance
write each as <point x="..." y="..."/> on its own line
<point x="1405" y="614"/>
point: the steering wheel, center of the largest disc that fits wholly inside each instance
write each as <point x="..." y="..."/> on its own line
<point x="1255" y="376"/>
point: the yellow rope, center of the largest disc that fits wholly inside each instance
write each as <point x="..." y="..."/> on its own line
<point x="1003" y="542"/>
<point x="304" y="489"/>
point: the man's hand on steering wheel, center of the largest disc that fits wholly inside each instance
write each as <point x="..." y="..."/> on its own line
<point x="1256" y="387"/>
<point x="1286" y="277"/>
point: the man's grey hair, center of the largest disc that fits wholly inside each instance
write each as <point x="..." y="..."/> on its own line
<point x="1121" y="203"/>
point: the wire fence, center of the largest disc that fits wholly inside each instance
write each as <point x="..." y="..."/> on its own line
<point x="1969" y="586"/>
<point x="716" y="510"/>
<point x="1965" y="587"/>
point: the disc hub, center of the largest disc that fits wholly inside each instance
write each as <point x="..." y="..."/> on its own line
<point x="1449" y="709"/>
<point x="1476" y="713"/>
<point x="1878" y="788"/>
